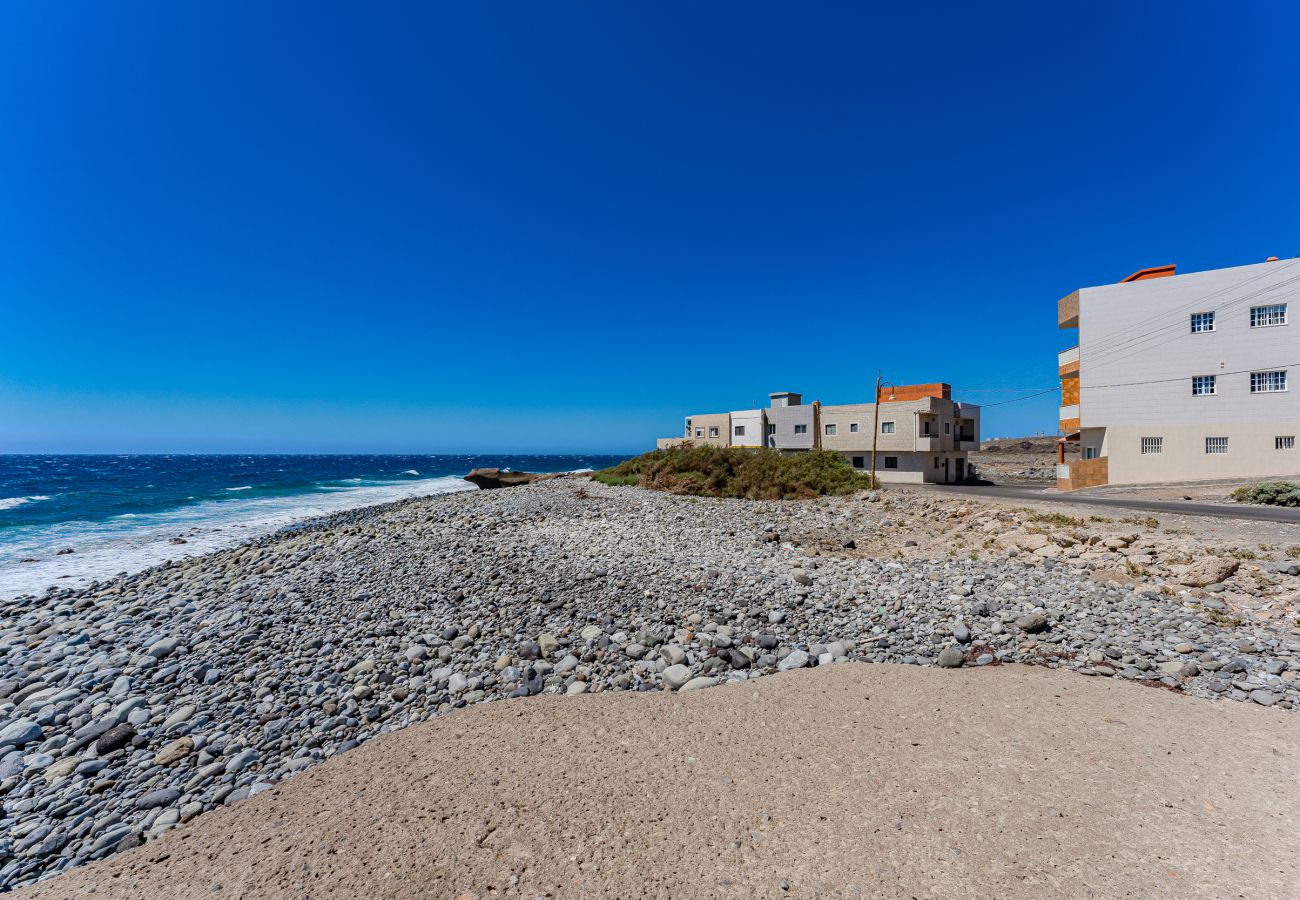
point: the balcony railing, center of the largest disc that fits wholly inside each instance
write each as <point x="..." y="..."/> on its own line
<point x="1070" y="412"/>
<point x="1066" y="357"/>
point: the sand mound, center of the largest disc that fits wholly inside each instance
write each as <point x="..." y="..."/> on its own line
<point x="847" y="780"/>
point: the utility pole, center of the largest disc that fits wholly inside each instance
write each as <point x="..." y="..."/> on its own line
<point x="875" y="431"/>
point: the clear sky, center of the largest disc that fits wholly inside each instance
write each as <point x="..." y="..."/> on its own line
<point x="426" y="227"/>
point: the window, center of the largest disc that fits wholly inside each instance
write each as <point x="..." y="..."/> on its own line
<point x="1216" y="445"/>
<point x="699" y="432"/>
<point x="801" y="429"/>
<point x="771" y="428"/>
<point x="947" y="428"/>
<point x="853" y="428"/>
<point x="1202" y="322"/>
<point x="1268" y="382"/>
<point x="925" y="427"/>
<point x="891" y="462"/>
<point x="1264" y="316"/>
<point x="739" y="430"/>
<point x="1286" y="442"/>
<point x="859" y="462"/>
<point x="886" y="427"/>
<point x="1203" y="385"/>
<point x="1089" y="452"/>
<point x="1152" y="445"/>
<point x="830" y="429"/>
<point x="713" y="431"/>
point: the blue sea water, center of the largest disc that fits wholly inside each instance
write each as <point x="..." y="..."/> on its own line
<point x="122" y="513"/>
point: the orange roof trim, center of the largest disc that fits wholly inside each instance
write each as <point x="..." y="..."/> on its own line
<point x="1153" y="272"/>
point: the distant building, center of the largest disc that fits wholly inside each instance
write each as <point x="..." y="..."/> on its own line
<point x="1181" y="377"/>
<point x="922" y="434"/>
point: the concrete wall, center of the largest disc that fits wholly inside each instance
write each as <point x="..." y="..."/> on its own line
<point x="785" y="418"/>
<point x="1141" y="332"/>
<point x="909" y="418"/>
<point x="752" y="421"/>
<point x="913" y="467"/>
<point x="711" y="428"/>
<point x="1251" y="453"/>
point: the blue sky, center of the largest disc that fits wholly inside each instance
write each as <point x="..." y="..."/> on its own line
<point x="425" y="227"/>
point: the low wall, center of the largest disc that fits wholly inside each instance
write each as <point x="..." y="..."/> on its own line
<point x="1083" y="473"/>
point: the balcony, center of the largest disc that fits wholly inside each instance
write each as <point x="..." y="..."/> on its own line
<point x="1070" y="412"/>
<point x="1067" y="360"/>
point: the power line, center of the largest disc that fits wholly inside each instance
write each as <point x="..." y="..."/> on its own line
<point x="1000" y="390"/>
<point x="1091" y="387"/>
<point x="1176" y="329"/>
<point x="1175" y="315"/>
<point x="1018" y="399"/>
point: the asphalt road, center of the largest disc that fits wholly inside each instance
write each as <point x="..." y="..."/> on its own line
<point x="1185" y="508"/>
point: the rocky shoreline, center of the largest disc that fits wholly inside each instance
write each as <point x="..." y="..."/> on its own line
<point x="133" y="705"/>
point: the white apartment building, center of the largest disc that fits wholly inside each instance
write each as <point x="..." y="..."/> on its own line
<point x="1182" y="377"/>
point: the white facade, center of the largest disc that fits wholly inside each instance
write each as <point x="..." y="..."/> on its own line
<point x="1171" y="360"/>
<point x="747" y="428"/>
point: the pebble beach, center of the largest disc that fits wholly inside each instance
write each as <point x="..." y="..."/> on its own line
<point x="132" y="706"/>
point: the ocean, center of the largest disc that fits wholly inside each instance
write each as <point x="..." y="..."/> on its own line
<point x="125" y="513"/>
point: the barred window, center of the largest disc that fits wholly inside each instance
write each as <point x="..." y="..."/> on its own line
<point x="1202" y="322"/>
<point x="1263" y="316"/>
<point x="1216" y="445"/>
<point x="1284" y="442"/>
<point x="1152" y="444"/>
<point x="1203" y="385"/>
<point x="891" y="462"/>
<point x="1268" y="382"/>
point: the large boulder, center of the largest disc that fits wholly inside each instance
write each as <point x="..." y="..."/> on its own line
<point x="495" y="478"/>
<point x="1210" y="570"/>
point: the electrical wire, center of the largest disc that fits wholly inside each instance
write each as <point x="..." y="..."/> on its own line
<point x="1094" y="387"/>
<point x="1175" y="316"/>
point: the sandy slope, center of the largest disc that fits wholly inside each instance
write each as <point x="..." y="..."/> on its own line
<point x="848" y="780"/>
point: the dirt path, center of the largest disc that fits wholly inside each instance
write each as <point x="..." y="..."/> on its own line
<point x="850" y="780"/>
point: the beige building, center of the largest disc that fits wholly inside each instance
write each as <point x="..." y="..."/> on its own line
<point x="921" y="434"/>
<point x="921" y="440"/>
<point x="1181" y="377"/>
<point x="713" y="428"/>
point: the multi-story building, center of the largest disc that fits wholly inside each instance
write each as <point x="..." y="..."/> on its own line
<point x="923" y="435"/>
<point x="1181" y="377"/>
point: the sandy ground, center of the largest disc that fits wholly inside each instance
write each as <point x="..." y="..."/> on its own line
<point x="850" y="780"/>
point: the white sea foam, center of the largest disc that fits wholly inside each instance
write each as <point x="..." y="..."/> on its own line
<point x="410" y="472"/>
<point x="135" y="541"/>
<point x="12" y="502"/>
<point x="242" y="487"/>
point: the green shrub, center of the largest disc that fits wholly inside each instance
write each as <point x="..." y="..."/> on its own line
<point x="1272" y="493"/>
<point x="755" y="474"/>
<point x="614" y="480"/>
